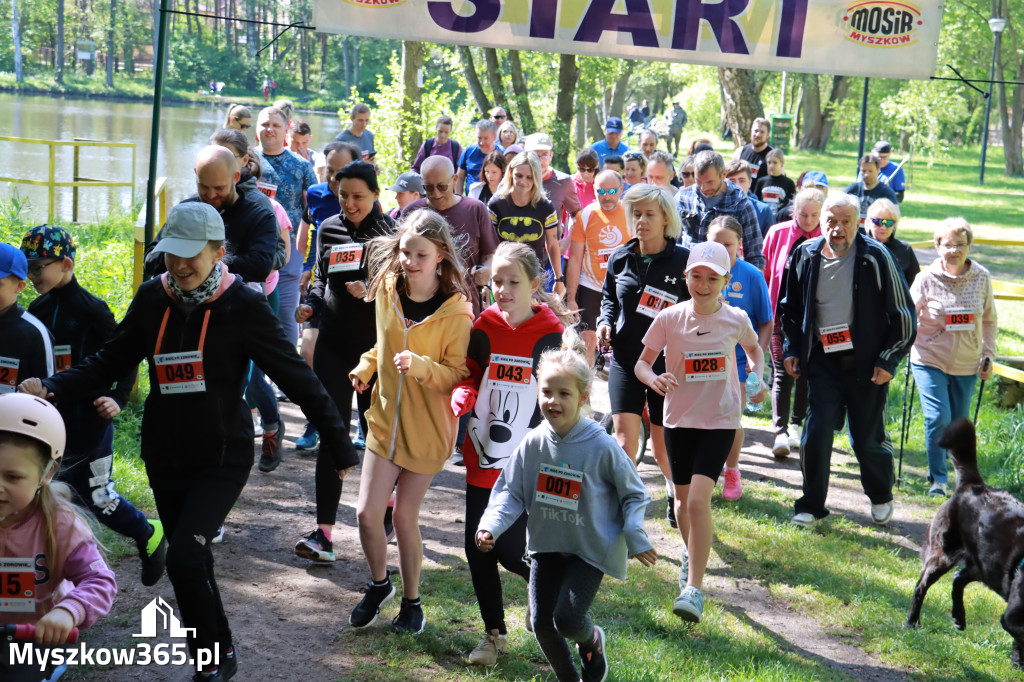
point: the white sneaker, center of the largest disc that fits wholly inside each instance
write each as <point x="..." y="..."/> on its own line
<point x="793" y="434"/>
<point x="938" y="490"/>
<point x="487" y="651"/>
<point x="219" y="537"/>
<point x="803" y="519"/>
<point x="881" y="513"/>
<point x="781" y="447"/>
<point x="684" y="569"/>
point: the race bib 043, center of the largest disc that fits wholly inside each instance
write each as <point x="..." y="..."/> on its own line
<point x="509" y="372"/>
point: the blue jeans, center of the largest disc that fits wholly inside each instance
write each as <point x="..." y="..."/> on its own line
<point x="944" y="398"/>
<point x="834" y="391"/>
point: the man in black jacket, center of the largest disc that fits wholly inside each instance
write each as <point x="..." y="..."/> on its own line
<point x="250" y="227"/>
<point x="848" y="320"/>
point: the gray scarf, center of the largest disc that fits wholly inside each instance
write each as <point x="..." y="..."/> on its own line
<point x="202" y="293"/>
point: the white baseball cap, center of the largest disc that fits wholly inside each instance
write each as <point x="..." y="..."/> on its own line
<point x="710" y="254"/>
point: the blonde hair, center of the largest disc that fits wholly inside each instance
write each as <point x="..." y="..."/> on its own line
<point x="523" y="256"/>
<point x="384" y="253"/>
<point x="884" y="204"/>
<point x="644" y="192"/>
<point x="54" y="500"/>
<point x="954" y="226"/>
<point x="235" y="112"/>
<point x="570" y="358"/>
<point x="809" y="195"/>
<point x="507" y="183"/>
<point x="508" y="125"/>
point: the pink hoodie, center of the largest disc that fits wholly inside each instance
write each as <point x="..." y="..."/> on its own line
<point x="85" y="586"/>
<point x="778" y="244"/>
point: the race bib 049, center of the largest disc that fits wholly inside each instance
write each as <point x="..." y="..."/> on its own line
<point x="180" y="372"/>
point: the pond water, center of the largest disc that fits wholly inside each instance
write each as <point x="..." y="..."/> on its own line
<point x="184" y="130"/>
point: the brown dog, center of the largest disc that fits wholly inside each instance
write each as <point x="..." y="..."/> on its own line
<point x="982" y="527"/>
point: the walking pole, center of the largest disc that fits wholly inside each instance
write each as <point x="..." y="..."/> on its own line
<point x="984" y="367"/>
<point x="904" y="428"/>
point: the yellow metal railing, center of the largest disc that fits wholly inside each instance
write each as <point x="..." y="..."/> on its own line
<point x="160" y="198"/>
<point x="77" y="181"/>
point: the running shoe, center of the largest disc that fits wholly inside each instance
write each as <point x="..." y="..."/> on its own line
<point x="670" y="512"/>
<point x="219" y="537"/>
<point x="732" y="488"/>
<point x="592" y="656"/>
<point x="938" y="490"/>
<point x="684" y="569"/>
<point x="881" y="513"/>
<point x="410" y="618"/>
<point x="366" y="612"/>
<point x="781" y="448"/>
<point x="803" y="519"/>
<point x="793" y="434"/>
<point x="309" y="439"/>
<point x="490" y="647"/>
<point x="225" y="671"/>
<point x="359" y="443"/>
<point x="689" y="605"/>
<point x="389" y="524"/>
<point x="457" y="457"/>
<point x="270" y="458"/>
<point x="315" y="547"/>
<point x="153" y="553"/>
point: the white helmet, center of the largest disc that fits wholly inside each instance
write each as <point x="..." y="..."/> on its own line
<point x="33" y="417"/>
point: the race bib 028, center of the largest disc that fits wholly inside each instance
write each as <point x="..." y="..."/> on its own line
<point x="704" y="365"/>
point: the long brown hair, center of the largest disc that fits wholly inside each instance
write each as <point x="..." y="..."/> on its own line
<point x="523" y="255"/>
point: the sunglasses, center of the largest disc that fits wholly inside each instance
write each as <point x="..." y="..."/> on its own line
<point x="244" y="126"/>
<point x="499" y="118"/>
<point x="440" y="188"/>
<point x="609" y="192"/>
<point x="686" y="174"/>
<point x="883" y="222"/>
<point x="587" y="169"/>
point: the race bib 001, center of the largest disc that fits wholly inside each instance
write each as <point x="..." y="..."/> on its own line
<point x="345" y="258"/>
<point x="17" y="585"/>
<point x="836" y="338"/>
<point x="9" y="374"/>
<point x="960" y="320"/>
<point x="704" y="365"/>
<point x="653" y="301"/>
<point x="559" y="487"/>
<point x="180" y="372"/>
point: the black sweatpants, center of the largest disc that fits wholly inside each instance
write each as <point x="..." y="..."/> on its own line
<point x="192" y="505"/>
<point x="509" y="550"/>
<point x="562" y="588"/>
<point x="332" y="362"/>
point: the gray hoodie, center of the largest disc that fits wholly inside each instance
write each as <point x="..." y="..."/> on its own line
<point x="581" y="492"/>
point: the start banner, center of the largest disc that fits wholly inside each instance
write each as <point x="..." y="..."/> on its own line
<point x="876" y="38"/>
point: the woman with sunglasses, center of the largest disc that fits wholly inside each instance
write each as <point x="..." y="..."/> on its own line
<point x="883" y="216"/>
<point x="238" y="118"/>
<point x="587" y="164"/>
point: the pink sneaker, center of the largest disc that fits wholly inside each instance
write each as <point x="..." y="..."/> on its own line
<point x="732" y="488"/>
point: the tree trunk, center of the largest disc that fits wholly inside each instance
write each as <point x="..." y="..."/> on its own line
<point x="323" y="61"/>
<point x="355" y="62"/>
<point x="818" y="122"/>
<point x="476" y="88"/>
<point x="621" y="85"/>
<point x="303" y="57"/>
<point x="1010" y="115"/>
<point x="188" y="17"/>
<point x="410" y="135"/>
<point x="568" y="74"/>
<point x="110" y="43"/>
<point x="494" y="78"/>
<point x="19" y="73"/>
<point x="347" y="66"/>
<point x="741" y="100"/>
<point x="595" y="123"/>
<point x="251" y="35"/>
<point x="58" y="64"/>
<point x="199" y="25"/>
<point x="521" y="93"/>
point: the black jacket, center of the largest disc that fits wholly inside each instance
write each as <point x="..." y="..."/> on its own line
<point x="214" y="427"/>
<point x="884" y="318"/>
<point x="83" y="322"/>
<point x="339" y="312"/>
<point x="23" y="338"/>
<point x="906" y="259"/>
<point x="251" y="234"/>
<point x="623" y="287"/>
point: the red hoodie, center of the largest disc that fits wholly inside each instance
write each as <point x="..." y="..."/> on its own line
<point x="502" y="366"/>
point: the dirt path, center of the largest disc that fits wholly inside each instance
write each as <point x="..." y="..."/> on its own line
<point x="286" y="613"/>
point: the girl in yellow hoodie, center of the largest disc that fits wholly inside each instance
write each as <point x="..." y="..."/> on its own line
<point x="424" y="319"/>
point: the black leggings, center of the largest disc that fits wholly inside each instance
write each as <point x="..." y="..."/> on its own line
<point x="509" y="550"/>
<point x="331" y="364"/>
<point x="783" y="386"/>
<point x="562" y="588"/>
<point x="192" y="505"/>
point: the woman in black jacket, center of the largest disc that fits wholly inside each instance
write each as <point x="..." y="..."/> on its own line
<point x="199" y="327"/>
<point x="883" y="217"/>
<point x="347" y="324"/>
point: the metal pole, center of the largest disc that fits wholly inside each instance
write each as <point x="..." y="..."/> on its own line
<point x="782" y="107"/>
<point x="154" y="138"/>
<point x="863" y="125"/>
<point x="988" y="109"/>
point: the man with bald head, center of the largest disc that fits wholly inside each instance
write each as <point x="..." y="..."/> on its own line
<point x="599" y="229"/>
<point x="250" y="227"/>
<point x="468" y="217"/>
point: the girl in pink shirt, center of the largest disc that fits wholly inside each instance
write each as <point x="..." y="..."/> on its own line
<point x="703" y="402"/>
<point x="56" y="578"/>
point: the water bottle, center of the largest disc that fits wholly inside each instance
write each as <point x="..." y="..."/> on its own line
<point x="753" y="388"/>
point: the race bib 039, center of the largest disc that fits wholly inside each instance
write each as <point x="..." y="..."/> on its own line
<point x="960" y="320"/>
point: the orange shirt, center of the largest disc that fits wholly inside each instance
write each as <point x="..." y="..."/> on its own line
<point x="600" y="233"/>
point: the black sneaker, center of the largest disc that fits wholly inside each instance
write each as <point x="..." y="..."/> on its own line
<point x="670" y="512"/>
<point x="153" y="552"/>
<point x="225" y="671"/>
<point x="410" y="618"/>
<point x="270" y="458"/>
<point x="315" y="547"/>
<point x="595" y="665"/>
<point x="366" y="612"/>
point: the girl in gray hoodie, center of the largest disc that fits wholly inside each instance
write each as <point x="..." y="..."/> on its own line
<point x="586" y="506"/>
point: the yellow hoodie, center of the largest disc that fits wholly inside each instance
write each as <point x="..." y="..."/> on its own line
<point x="410" y="419"/>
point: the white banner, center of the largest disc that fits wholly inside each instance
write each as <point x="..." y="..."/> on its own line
<point x="876" y="38"/>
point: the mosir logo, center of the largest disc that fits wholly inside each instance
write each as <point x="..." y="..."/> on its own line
<point x="882" y="23"/>
<point x="376" y="3"/>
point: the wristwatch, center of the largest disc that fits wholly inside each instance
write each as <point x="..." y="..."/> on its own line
<point x="560" y="279"/>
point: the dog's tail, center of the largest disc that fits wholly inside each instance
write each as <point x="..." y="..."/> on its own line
<point x="960" y="438"/>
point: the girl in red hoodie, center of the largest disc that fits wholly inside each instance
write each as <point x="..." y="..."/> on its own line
<point x="501" y="393"/>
